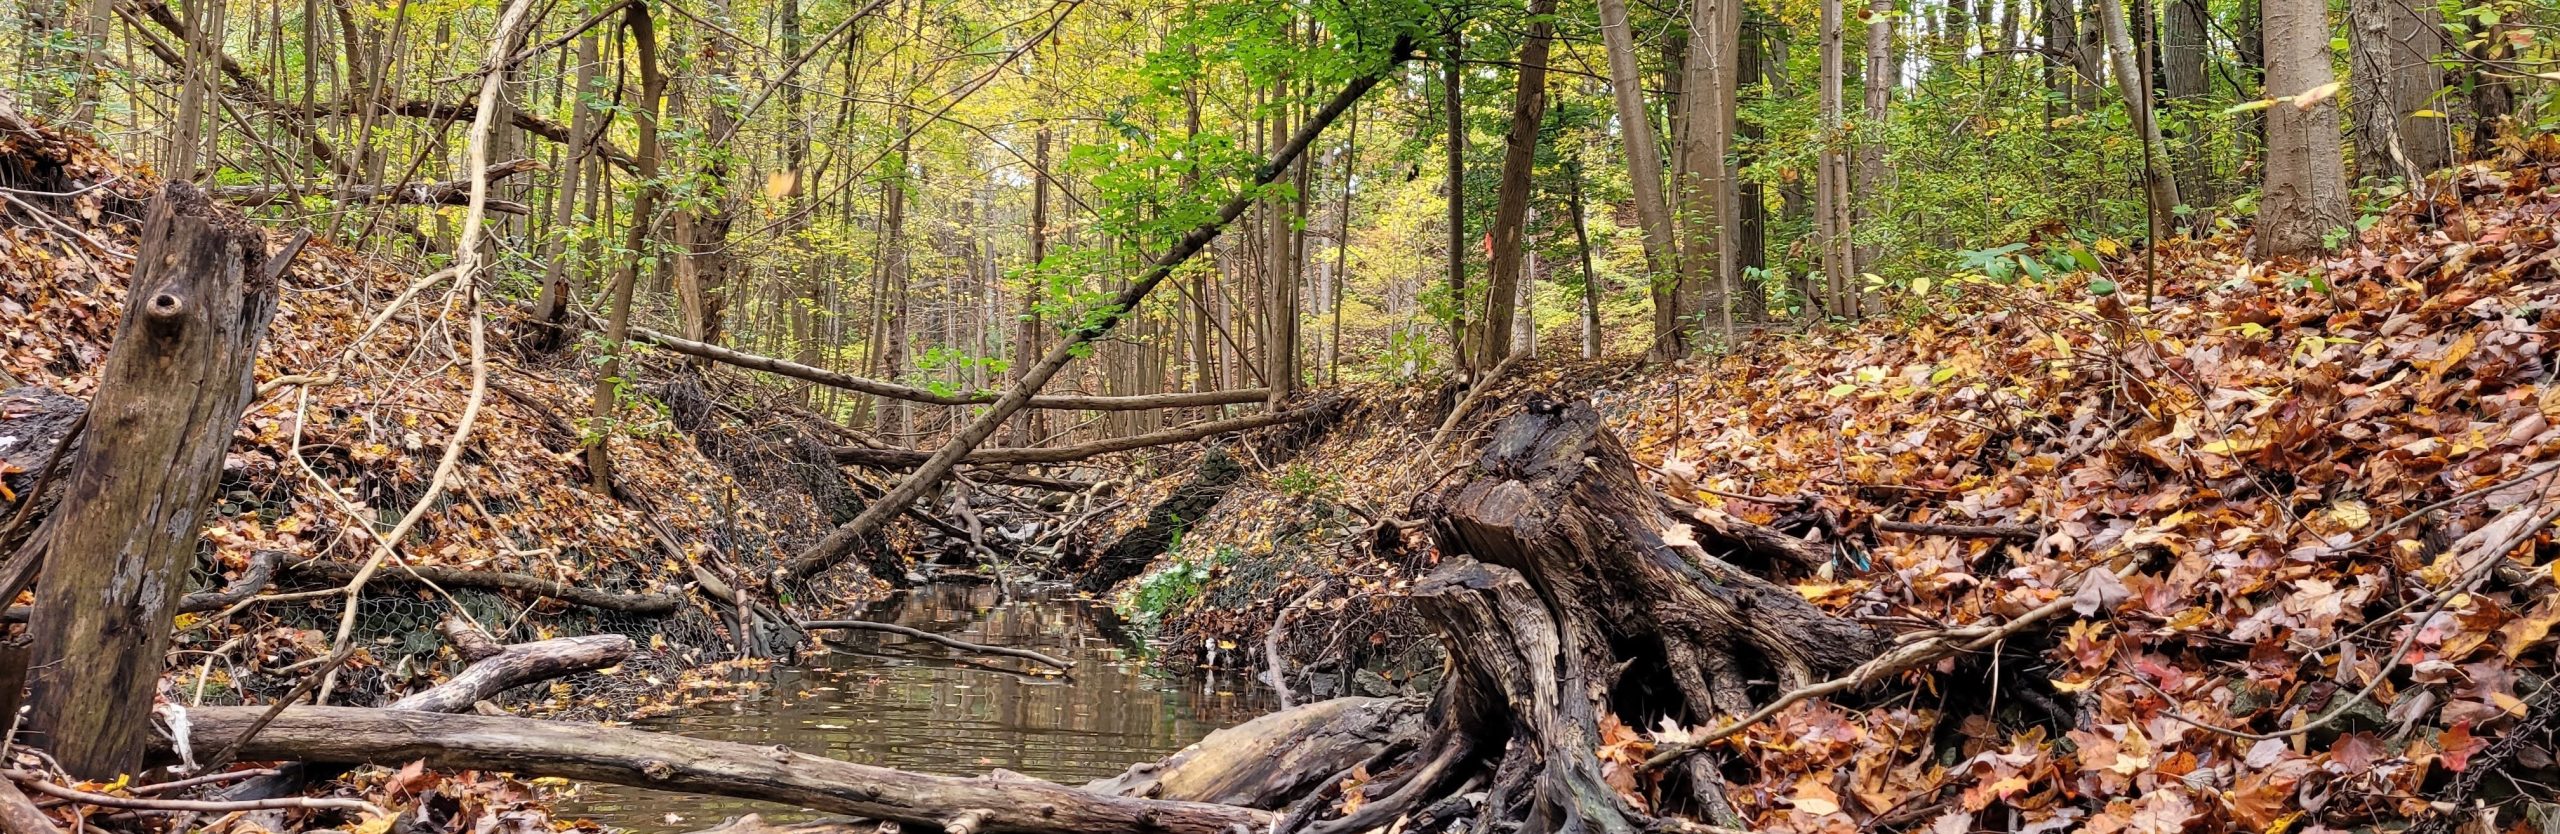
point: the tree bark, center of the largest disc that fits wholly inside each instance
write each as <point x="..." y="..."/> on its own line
<point x="125" y="532"/>
<point x="1453" y="109"/>
<point x="343" y="735"/>
<point x="1832" y="225"/>
<point x="2183" y="53"/>
<point x="2393" y="52"/>
<point x="644" y="208"/>
<point x="2305" y="181"/>
<point x="1511" y="201"/>
<point x="508" y="667"/>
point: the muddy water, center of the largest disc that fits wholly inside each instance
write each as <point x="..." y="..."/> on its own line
<point x="886" y="700"/>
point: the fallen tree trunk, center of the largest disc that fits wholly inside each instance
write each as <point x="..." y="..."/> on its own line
<point x="907" y="458"/>
<point x="1268" y="761"/>
<point x="676" y="763"/>
<point x="930" y="637"/>
<point x="895" y="391"/>
<point x="254" y="578"/>
<point x="453" y="192"/>
<point x="650" y="605"/>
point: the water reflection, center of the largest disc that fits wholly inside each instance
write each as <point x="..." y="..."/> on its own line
<point x="886" y="700"/>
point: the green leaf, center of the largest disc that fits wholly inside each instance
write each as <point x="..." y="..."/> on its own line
<point x="2102" y="286"/>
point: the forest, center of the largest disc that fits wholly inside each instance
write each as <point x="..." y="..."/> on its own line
<point x="1306" y="417"/>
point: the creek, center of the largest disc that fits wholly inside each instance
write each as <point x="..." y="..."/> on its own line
<point x="888" y="700"/>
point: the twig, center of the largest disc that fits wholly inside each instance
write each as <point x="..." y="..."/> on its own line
<point x="1960" y="531"/>
<point x="206" y="779"/>
<point x="963" y="645"/>
<point x="48" y="788"/>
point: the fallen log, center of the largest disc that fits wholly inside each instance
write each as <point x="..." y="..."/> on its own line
<point x="254" y="578"/>
<point x="1268" y="761"/>
<point x="453" y="192"/>
<point x="649" y="605"/>
<point x="910" y="458"/>
<point x="668" y="762"/>
<point x="895" y="391"/>
<point x="517" y="665"/>
<point x="930" y="637"/>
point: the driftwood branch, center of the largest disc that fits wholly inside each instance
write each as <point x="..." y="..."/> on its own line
<point x="651" y="605"/>
<point x="453" y="192"/>
<point x="930" y="637"/>
<point x="662" y="761"/>
<point x="895" y="391"/>
<point x="517" y="665"/>
<point x="905" y="458"/>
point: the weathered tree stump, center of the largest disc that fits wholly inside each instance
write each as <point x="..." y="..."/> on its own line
<point x="126" y="528"/>
<point x="1565" y="594"/>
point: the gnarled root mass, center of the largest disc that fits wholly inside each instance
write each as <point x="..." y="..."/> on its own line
<point x="1569" y="601"/>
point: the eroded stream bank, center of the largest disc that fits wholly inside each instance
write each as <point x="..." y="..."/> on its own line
<point x="891" y="701"/>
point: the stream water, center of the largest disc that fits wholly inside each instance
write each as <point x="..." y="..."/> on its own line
<point x="887" y="700"/>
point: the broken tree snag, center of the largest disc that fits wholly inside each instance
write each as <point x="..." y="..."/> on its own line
<point x="453" y="192"/>
<point x="896" y="391"/>
<point x="124" y="534"/>
<point x="904" y="458"/>
<point x="668" y="762"/>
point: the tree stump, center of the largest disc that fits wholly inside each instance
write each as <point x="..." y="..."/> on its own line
<point x="125" y="531"/>
<point x="1566" y="595"/>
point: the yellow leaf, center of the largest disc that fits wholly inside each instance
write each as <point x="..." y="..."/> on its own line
<point x="2314" y="96"/>
<point x="2426" y="114"/>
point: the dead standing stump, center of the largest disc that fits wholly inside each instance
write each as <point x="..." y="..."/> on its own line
<point x="120" y="541"/>
<point x="1566" y="594"/>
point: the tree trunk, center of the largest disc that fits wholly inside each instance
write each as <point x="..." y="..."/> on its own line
<point x="644" y="206"/>
<point x="2393" y="52"/>
<point x="702" y="260"/>
<point x="2160" y="186"/>
<point x="343" y="735"/>
<point x="2183" y="51"/>
<point x="1511" y="203"/>
<point x="1452" y="88"/>
<point x="1832" y="229"/>
<point x="2304" y="195"/>
<point x="124" y="535"/>
<point x="1883" y="74"/>
<point x="1705" y="180"/>
<point x="1644" y="175"/>
<point x="551" y="306"/>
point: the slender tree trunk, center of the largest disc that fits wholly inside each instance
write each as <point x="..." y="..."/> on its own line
<point x="1751" y="225"/>
<point x="1452" y="86"/>
<point x="604" y="410"/>
<point x="1882" y="76"/>
<point x="1026" y="331"/>
<point x="2157" y="180"/>
<point x="1832" y="228"/>
<point x="1511" y="204"/>
<point x="1594" y="342"/>
<point x="1644" y="175"/>
<point x="2305" y="187"/>
<point x="1707" y="198"/>
<point x="551" y="306"/>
